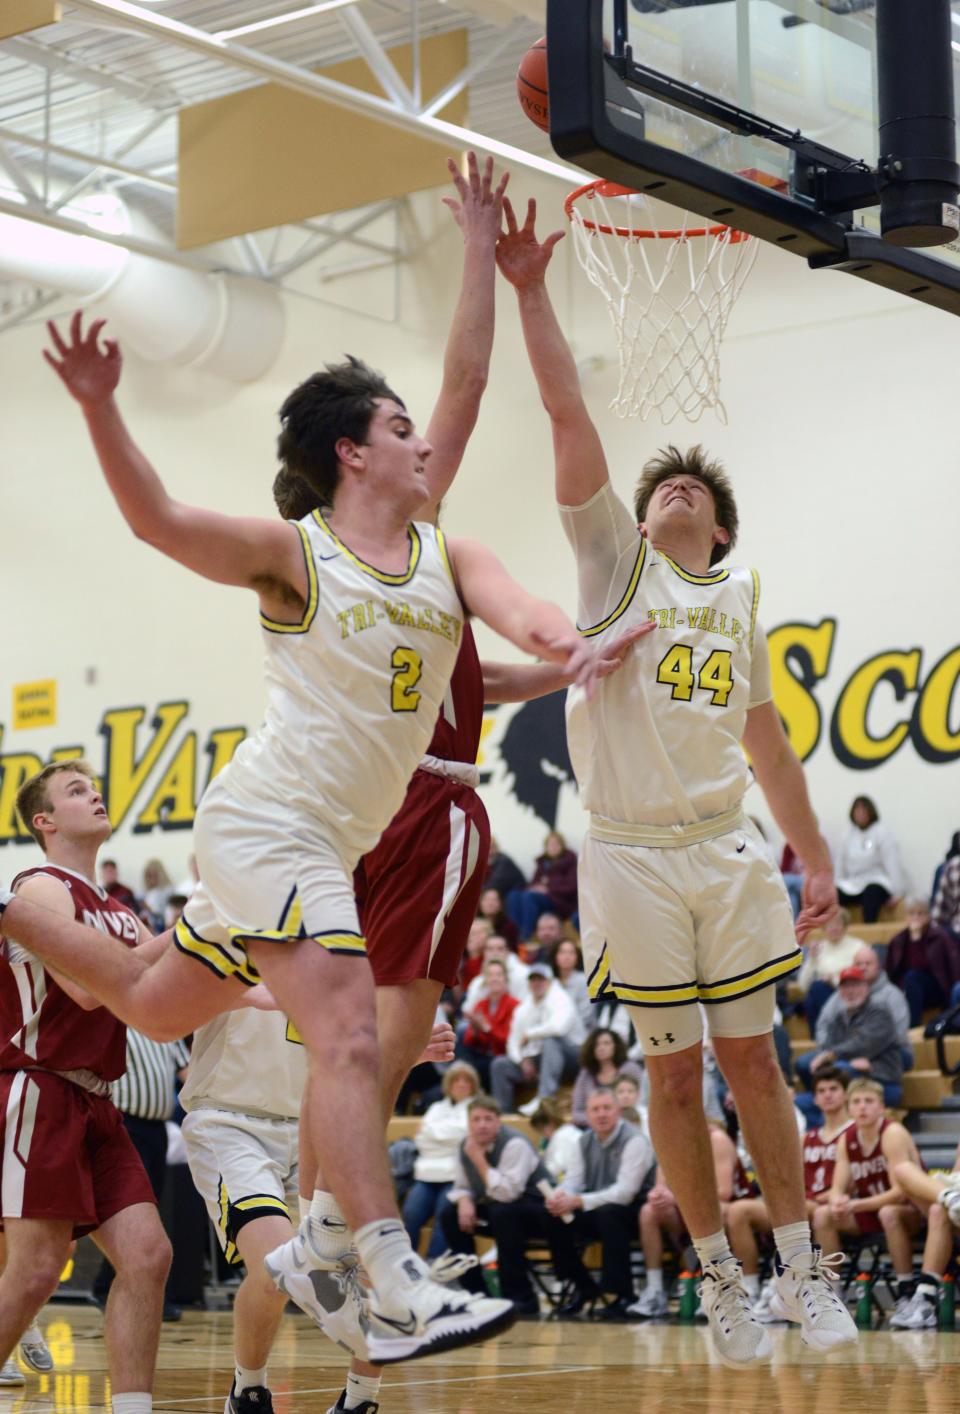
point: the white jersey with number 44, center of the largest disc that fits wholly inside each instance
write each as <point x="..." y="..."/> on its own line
<point x="355" y="688"/>
<point x="659" y="743"/>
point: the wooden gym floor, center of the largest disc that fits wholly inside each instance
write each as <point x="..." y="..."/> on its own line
<point x="537" y="1368"/>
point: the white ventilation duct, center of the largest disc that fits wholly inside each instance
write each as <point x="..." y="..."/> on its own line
<point x="165" y="313"/>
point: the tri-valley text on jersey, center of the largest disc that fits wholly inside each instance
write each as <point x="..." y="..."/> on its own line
<point x="370" y="612"/>
<point x="154" y="769"/>
<point x="702" y="618"/>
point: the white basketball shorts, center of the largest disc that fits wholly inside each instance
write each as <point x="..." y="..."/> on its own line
<point x="665" y="928"/>
<point x="244" y="1167"/>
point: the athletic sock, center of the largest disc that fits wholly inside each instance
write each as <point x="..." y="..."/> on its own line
<point x="712" y="1249"/>
<point x="382" y="1246"/>
<point x="793" y="1241"/>
<point x="249" y="1379"/>
<point x="928" y="1286"/>
<point x="32" y="1335"/>
<point x="655" y="1279"/>
<point x="326" y="1227"/>
<point x="751" y="1283"/>
<point x="137" y="1403"/>
<point x="905" y="1284"/>
<point x="361" y="1389"/>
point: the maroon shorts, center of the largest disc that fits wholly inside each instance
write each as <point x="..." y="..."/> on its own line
<point x="66" y="1155"/>
<point x="869" y="1222"/>
<point x="418" y="890"/>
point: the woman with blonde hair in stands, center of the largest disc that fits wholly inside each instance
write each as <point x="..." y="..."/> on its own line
<point x="438" y="1139"/>
<point x="157" y="888"/>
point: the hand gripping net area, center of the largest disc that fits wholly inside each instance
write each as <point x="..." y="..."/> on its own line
<point x="669" y="293"/>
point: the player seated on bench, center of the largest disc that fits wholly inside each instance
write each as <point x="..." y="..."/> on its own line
<point x="941" y="1191"/>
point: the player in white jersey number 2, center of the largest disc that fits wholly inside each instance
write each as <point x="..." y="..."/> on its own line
<point x="362" y="612"/>
<point x="679" y="901"/>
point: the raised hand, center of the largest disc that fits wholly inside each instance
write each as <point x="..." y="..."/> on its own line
<point x="583" y="663"/>
<point x="440" y="1046"/>
<point x="90" y="374"/>
<point x="612" y="655"/>
<point x="479" y="211"/>
<point x="522" y="259"/>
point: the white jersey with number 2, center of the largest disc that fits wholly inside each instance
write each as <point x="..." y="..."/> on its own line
<point x="354" y="688"/>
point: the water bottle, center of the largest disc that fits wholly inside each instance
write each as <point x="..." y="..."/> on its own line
<point x="864" y="1315"/>
<point x="946" y="1304"/>
<point x="689" y="1300"/>
<point x="491" y="1276"/>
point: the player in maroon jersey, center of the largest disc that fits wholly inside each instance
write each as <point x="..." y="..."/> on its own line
<point x="747" y="1217"/>
<point x="864" y="1195"/>
<point x="68" y="1164"/>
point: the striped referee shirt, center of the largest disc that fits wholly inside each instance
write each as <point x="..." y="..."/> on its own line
<point x="145" y="1090"/>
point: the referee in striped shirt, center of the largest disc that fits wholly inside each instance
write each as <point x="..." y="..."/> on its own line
<point x="144" y="1095"/>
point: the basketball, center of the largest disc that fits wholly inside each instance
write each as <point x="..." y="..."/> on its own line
<point x="532" y="85"/>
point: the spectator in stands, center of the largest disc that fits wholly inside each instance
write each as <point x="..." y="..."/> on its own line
<point x="603" y="1057"/>
<point x="923" y="961"/>
<point x="614" y="1016"/>
<point x="747" y="1218"/>
<point x="868" y="868"/>
<point x="110" y="883"/>
<point x="939" y="1196"/>
<point x="517" y="973"/>
<point x="551" y="1118"/>
<point x="604" y="1188"/>
<point x="627" y="1093"/>
<point x="860" y="1040"/>
<point x="792" y="870"/>
<point x="497" y="1184"/>
<point x="491" y="907"/>
<point x="502" y="874"/>
<point x="546" y="935"/>
<point x="826" y="958"/>
<point x="950" y="915"/>
<point x="543" y="1047"/>
<point x="864" y="1195"/>
<point x="157" y="889"/>
<point x="472" y="964"/>
<point x="882" y="991"/>
<point x="553" y="886"/>
<point x="566" y="959"/>
<point x="488" y="1022"/>
<point x="438" y="1141"/>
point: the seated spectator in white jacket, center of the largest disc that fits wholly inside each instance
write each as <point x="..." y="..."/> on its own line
<point x="868" y="869"/>
<point x="543" y="1047"/>
<point x="439" y="1137"/>
<point x="496" y="947"/>
<point x="602" y="1189"/>
<point x="551" y="1118"/>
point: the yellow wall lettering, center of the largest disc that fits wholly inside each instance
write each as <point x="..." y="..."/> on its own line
<point x="850" y="736"/>
<point x="799" y="658"/>
<point x="124" y="772"/>
<point x="930" y="728"/>
<point x="14" y="770"/>
<point x="173" y="802"/>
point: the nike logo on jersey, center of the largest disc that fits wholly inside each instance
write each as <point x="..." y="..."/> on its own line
<point x="741" y="846"/>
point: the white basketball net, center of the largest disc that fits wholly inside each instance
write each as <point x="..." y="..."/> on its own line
<point x="669" y="293"/>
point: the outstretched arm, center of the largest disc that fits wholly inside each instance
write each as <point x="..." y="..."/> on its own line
<point x="780" y="775"/>
<point x="257" y="554"/>
<point x="581" y="467"/>
<point x="522" y="682"/>
<point x="477" y="210"/>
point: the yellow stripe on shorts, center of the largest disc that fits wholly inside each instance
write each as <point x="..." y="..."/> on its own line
<point x="213" y="955"/>
<point x="751" y="981"/>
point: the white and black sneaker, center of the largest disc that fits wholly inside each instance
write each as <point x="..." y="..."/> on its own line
<point x="803" y="1293"/>
<point x="332" y="1298"/>
<point x="738" y="1338"/>
<point x="11" y="1375"/>
<point x="255" y="1399"/>
<point x="35" y="1352"/>
<point x="652" y="1306"/>
<point x="915" y="1313"/>
<point x="418" y="1316"/>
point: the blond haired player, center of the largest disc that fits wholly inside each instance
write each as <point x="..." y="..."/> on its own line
<point x="680" y="901"/>
<point x="865" y="1196"/>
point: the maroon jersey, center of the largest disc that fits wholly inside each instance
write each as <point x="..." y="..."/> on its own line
<point x="456" y="737"/>
<point x="41" y="1027"/>
<point x="868" y="1172"/>
<point x="819" y="1159"/>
